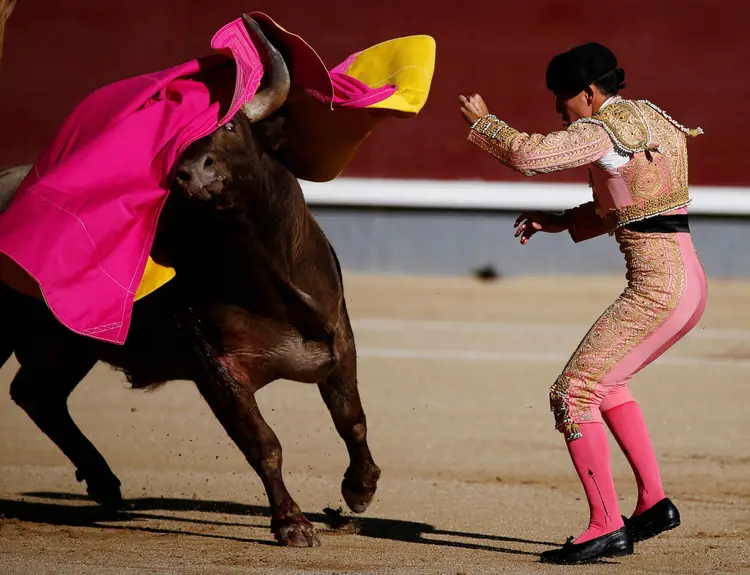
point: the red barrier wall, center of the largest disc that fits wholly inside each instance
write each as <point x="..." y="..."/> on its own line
<point x="689" y="57"/>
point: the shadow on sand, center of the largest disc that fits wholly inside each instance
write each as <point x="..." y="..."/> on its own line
<point x="52" y="509"/>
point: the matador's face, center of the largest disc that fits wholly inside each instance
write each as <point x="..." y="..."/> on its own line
<point x="574" y="107"/>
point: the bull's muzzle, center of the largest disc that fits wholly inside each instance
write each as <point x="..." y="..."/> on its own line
<point x="197" y="175"/>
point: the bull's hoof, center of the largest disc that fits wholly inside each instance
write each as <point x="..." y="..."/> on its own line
<point x="104" y="489"/>
<point x="295" y="532"/>
<point x="359" y="486"/>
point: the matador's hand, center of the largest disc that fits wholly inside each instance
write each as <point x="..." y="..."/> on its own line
<point x="473" y="108"/>
<point x="529" y="223"/>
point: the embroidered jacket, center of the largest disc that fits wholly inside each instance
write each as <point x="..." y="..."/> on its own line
<point x="637" y="155"/>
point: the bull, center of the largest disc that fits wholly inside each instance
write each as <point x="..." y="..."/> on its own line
<point x="258" y="296"/>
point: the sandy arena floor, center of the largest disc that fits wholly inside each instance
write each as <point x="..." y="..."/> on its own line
<point x="454" y="377"/>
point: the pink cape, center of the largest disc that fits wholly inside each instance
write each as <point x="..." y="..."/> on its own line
<point x="83" y="221"/>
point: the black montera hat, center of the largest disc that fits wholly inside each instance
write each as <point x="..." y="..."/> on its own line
<point x="579" y="67"/>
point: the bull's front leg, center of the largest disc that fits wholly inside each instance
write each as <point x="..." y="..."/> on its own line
<point x="233" y="403"/>
<point x="341" y="396"/>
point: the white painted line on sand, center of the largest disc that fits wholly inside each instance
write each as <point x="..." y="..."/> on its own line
<point x="528" y="357"/>
<point x="375" y="324"/>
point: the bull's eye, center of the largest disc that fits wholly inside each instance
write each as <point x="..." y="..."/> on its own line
<point x="229" y="127"/>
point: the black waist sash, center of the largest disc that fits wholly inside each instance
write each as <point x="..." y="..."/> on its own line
<point x="660" y="225"/>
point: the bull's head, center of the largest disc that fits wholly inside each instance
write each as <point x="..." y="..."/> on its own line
<point x="207" y="166"/>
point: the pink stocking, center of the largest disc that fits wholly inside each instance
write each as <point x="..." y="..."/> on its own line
<point x="590" y="455"/>
<point x="629" y="428"/>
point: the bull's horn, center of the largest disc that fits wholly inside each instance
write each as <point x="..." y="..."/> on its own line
<point x="272" y="97"/>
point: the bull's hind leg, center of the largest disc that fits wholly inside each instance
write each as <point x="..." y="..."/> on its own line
<point x="235" y="407"/>
<point x="42" y="391"/>
<point x="341" y="396"/>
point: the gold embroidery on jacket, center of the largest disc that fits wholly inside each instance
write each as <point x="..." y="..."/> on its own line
<point x="625" y="125"/>
<point x="658" y="182"/>
<point x="656" y="176"/>
<point x="533" y="154"/>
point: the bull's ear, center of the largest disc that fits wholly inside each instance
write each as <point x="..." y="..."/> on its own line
<point x="273" y="131"/>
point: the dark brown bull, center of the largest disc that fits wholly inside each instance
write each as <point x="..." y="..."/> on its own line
<point x="258" y="296"/>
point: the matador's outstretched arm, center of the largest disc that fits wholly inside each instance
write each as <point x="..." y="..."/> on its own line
<point x="533" y="154"/>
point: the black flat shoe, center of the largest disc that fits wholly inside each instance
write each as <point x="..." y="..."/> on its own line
<point x="660" y="517"/>
<point x="616" y="544"/>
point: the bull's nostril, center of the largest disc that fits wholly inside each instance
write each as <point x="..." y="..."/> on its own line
<point x="182" y="176"/>
<point x="208" y="162"/>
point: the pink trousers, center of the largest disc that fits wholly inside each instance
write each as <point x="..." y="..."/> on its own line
<point x="664" y="299"/>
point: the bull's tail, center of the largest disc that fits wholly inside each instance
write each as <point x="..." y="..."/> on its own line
<point x="304" y="312"/>
<point x="309" y="319"/>
<point x="342" y="299"/>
